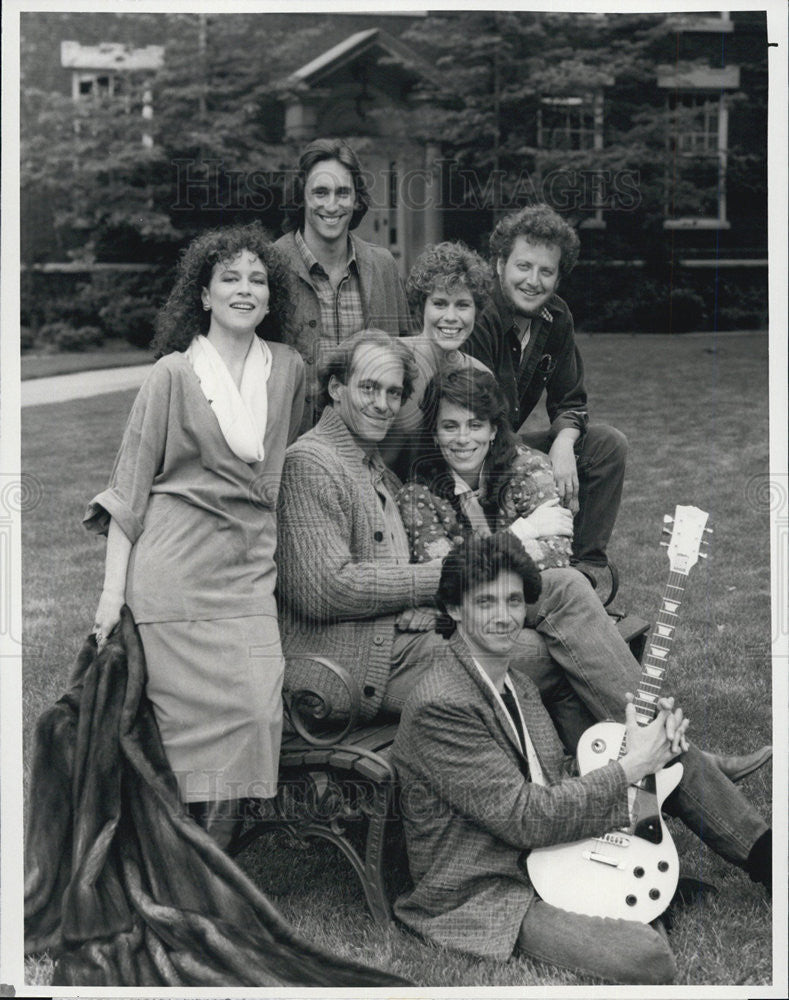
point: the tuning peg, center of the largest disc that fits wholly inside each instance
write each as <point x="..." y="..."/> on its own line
<point x="664" y="544"/>
<point x="665" y="531"/>
<point x="708" y="530"/>
<point x="702" y="555"/>
<point x="668" y="519"/>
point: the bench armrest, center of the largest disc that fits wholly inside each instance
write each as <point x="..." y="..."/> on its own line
<point x="306" y="704"/>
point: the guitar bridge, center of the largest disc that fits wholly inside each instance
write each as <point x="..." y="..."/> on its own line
<point x="603" y="859"/>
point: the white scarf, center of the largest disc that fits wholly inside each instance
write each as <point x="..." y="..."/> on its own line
<point x="241" y="412"/>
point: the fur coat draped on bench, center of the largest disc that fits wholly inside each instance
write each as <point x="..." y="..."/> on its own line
<point x="121" y="886"/>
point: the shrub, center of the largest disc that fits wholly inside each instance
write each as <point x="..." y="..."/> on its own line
<point x="742" y="305"/>
<point x="687" y="311"/>
<point x="629" y="301"/>
<point x="122" y="304"/>
<point x="130" y="318"/>
<point x="27" y="339"/>
<point x="66" y="337"/>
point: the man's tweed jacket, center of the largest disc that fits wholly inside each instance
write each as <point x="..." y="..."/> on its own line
<point x="339" y="586"/>
<point x="383" y="304"/>
<point x="470" y="812"/>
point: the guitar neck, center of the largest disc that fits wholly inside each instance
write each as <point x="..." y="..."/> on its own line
<point x="657" y="651"/>
<point x="683" y="551"/>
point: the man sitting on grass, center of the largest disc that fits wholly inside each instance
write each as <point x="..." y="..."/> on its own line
<point x="484" y="781"/>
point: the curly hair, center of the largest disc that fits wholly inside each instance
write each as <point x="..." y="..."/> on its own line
<point x="316" y="152"/>
<point x="338" y="361"/>
<point x="477" y="561"/>
<point x="538" y="224"/>
<point x="447" y="266"/>
<point x="182" y="317"/>
<point x="478" y="391"/>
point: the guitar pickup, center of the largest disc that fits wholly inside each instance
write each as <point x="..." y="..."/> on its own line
<point x="603" y="859"/>
<point x="616" y="839"/>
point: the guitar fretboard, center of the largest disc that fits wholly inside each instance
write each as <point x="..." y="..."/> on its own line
<point x="657" y="651"/>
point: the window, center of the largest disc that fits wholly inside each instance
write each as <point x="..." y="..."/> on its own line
<point x="567" y="123"/>
<point x="96" y="85"/>
<point x="574" y="124"/>
<point x="698" y="119"/>
<point x="697" y="140"/>
<point x="112" y="70"/>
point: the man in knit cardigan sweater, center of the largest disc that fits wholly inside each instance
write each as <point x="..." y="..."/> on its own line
<point x="343" y="568"/>
<point x="348" y="592"/>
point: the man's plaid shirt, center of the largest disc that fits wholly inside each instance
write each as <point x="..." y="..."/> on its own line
<point x="341" y="310"/>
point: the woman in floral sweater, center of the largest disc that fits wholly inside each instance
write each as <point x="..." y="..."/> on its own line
<point x="480" y="479"/>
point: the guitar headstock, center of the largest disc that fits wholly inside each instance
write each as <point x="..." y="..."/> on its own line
<point x="687" y="529"/>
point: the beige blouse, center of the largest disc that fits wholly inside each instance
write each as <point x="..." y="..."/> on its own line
<point x="202" y="521"/>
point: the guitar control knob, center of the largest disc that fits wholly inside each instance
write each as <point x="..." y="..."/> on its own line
<point x="638" y="872"/>
<point x="662" y="866"/>
<point x="654" y="893"/>
<point x="631" y="900"/>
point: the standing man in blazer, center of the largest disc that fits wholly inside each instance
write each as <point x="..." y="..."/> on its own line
<point x="483" y="780"/>
<point x="343" y="283"/>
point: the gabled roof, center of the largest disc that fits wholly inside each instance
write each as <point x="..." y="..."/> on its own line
<point x="110" y="55"/>
<point x="391" y="48"/>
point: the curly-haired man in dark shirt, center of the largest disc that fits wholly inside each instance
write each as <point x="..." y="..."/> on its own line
<point x="526" y="337"/>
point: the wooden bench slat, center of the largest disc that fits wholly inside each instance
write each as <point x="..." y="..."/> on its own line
<point x="376" y="740"/>
<point x="342" y="757"/>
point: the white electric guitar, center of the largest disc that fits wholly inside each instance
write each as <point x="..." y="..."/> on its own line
<point x="631" y="873"/>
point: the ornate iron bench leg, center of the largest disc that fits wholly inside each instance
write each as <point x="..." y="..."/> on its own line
<point x="375" y="810"/>
<point x="373" y="881"/>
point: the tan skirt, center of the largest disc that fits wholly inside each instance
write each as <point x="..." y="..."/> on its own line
<point x="216" y="689"/>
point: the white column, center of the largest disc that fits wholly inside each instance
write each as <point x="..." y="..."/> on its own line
<point x="434" y="229"/>
<point x="723" y="147"/>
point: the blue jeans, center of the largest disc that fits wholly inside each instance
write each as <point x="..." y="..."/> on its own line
<point x="621" y="951"/>
<point x="600" y="456"/>
<point x="586" y="657"/>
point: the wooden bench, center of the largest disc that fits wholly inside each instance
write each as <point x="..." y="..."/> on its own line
<point x="340" y="786"/>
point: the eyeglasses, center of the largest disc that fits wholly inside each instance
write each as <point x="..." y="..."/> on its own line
<point x="371" y="388"/>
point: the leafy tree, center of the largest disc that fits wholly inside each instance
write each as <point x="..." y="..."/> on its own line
<point x="498" y="66"/>
<point x="217" y="152"/>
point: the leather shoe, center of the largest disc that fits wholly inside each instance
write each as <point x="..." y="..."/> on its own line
<point x="759" y="865"/>
<point x="739" y="766"/>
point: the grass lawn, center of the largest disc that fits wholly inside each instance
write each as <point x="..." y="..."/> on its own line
<point x="111" y="354"/>
<point x="695" y="412"/>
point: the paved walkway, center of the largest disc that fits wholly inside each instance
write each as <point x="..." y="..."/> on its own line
<point x="59" y="388"/>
